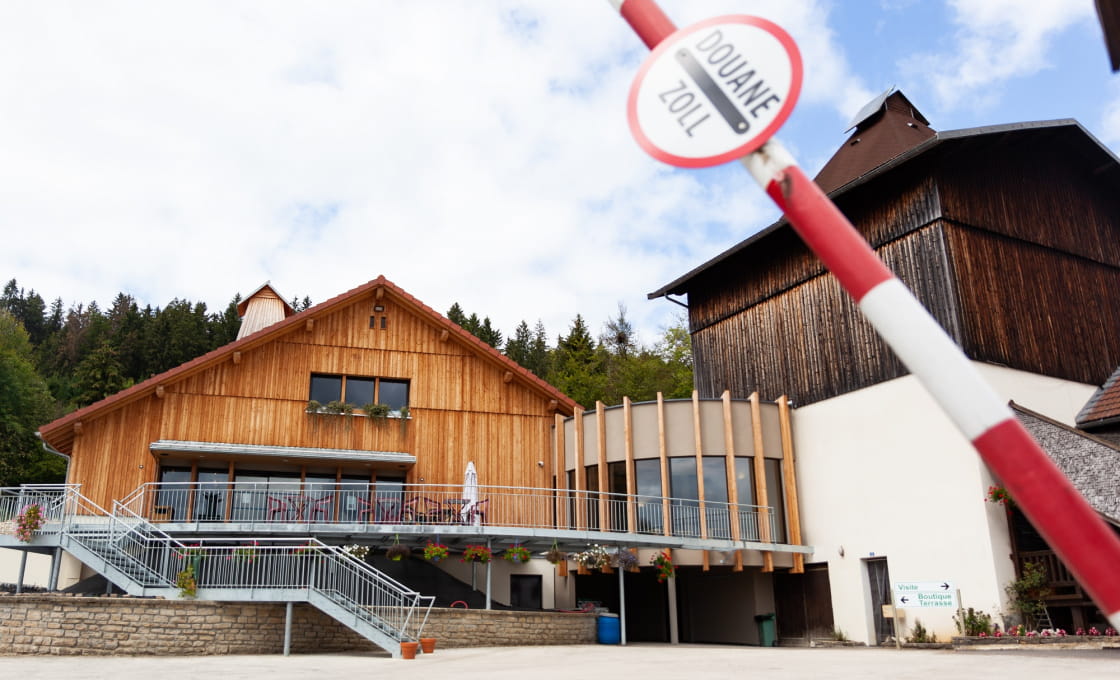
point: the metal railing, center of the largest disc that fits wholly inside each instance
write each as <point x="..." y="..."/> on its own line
<point x="441" y="505"/>
<point x="224" y="569"/>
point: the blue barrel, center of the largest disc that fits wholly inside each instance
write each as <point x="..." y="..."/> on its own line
<point x="609" y="631"/>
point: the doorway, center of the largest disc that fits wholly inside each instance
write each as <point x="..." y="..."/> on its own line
<point x="879" y="582"/>
<point x="525" y="591"/>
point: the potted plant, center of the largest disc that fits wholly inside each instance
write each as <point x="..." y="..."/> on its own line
<point x="29" y="520"/>
<point x="555" y="555"/>
<point x="594" y="557"/>
<point x="998" y="494"/>
<point x="186" y="582"/>
<point x="476" y="553"/>
<point x="434" y="552"/>
<point x="376" y="411"/>
<point x="339" y="408"/>
<point x="517" y="554"/>
<point x="398" y="552"/>
<point x="664" y="564"/>
<point x="624" y="559"/>
<point x="314" y="407"/>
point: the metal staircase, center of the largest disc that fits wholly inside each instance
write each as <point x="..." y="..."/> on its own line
<point x="142" y="560"/>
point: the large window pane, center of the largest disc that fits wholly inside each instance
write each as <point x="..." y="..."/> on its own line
<point x="776" y="498"/>
<point x="171" y="501"/>
<point x="210" y="499"/>
<point x="685" y="489"/>
<point x="354" y="502"/>
<point x="647" y="475"/>
<point x="394" y="393"/>
<point x="326" y="388"/>
<point x="616" y="482"/>
<point x="715" y="493"/>
<point x="359" y="391"/>
<point x="744" y="489"/>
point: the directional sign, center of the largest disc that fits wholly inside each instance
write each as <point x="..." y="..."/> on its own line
<point x="715" y="91"/>
<point x="925" y="594"/>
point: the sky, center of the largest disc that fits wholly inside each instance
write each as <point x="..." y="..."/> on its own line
<point x="473" y="152"/>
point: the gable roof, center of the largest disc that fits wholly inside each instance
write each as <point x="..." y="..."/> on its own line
<point x="1066" y="133"/>
<point x="1092" y="465"/>
<point x="59" y="433"/>
<point x="1103" y="408"/>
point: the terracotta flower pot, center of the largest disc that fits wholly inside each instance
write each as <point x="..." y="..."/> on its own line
<point x="408" y="650"/>
<point x="428" y="645"/>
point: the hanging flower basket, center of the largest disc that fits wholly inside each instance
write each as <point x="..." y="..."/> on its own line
<point x="555" y="555"/>
<point x="624" y="559"/>
<point x="398" y="552"/>
<point x="998" y="494"/>
<point x="28" y="521"/>
<point x="664" y="564"/>
<point x="434" y="552"/>
<point x="476" y="553"/>
<point x="595" y="557"/>
<point x="517" y="554"/>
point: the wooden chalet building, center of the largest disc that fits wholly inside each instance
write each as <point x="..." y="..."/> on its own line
<point x="1010" y="236"/>
<point x="241" y="412"/>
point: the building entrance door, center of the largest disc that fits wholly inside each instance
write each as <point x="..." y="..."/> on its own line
<point x="879" y="581"/>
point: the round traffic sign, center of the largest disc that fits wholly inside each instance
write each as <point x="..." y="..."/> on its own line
<point x="715" y="91"/>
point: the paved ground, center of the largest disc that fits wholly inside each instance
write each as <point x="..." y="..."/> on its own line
<point x="633" y="661"/>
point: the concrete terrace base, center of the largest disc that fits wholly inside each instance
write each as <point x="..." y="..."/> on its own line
<point x="64" y="625"/>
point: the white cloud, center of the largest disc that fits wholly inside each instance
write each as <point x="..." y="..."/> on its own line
<point x="471" y="152"/>
<point x="995" y="40"/>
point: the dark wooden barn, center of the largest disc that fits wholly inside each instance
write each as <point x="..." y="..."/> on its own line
<point x="1009" y="235"/>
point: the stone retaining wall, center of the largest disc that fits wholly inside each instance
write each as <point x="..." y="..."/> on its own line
<point x="56" y="624"/>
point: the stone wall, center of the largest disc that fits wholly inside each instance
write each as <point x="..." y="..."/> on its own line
<point x="56" y="624"/>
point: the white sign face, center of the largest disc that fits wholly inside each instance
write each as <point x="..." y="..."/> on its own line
<point x="715" y="91"/>
<point x="925" y="594"/>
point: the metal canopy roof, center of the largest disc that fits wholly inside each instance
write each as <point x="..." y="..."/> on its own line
<point x="165" y="446"/>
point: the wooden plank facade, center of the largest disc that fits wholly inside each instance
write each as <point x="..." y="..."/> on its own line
<point x="466" y="402"/>
<point x="999" y="233"/>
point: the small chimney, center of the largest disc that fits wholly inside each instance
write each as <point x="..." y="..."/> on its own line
<point x="261" y="309"/>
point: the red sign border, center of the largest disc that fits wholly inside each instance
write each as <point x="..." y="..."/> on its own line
<point x="796" y="75"/>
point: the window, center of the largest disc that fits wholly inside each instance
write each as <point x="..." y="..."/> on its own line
<point x="359" y="391"/>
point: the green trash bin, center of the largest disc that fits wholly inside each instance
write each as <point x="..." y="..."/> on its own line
<point x="766" y="630"/>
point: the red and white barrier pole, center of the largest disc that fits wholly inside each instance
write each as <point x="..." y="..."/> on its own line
<point x="1084" y="542"/>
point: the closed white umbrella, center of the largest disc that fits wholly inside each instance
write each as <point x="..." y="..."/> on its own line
<point x="470" y="496"/>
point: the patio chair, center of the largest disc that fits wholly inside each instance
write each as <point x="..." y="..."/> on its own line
<point x="276" y="505"/>
<point x="320" y="507"/>
<point x="475" y="512"/>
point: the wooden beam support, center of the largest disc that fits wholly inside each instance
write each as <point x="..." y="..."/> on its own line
<point x="698" y="443"/>
<point x="579" y="470"/>
<point x="553" y="405"/>
<point x="760" y="495"/>
<point x="443" y="335"/>
<point x="309" y="325"/>
<point x="793" y="514"/>
<point x="236" y="358"/>
<point x="732" y="479"/>
<point x="631" y="478"/>
<point x="77" y="428"/>
<point x="379" y="293"/>
<point x="601" y="465"/>
<point x="738" y="566"/>
<point x="662" y="451"/>
<point x="561" y="468"/>
<point x="706" y="561"/>
<point x="159" y="391"/>
<point x="507" y="378"/>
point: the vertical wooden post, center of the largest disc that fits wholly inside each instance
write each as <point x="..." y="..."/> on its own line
<point x="561" y="466"/>
<point x="631" y="476"/>
<point x="579" y="470"/>
<point x="761" y="497"/>
<point x="662" y="449"/>
<point x="601" y="447"/>
<point x="732" y="480"/>
<point x="698" y="444"/>
<point x="793" y="515"/>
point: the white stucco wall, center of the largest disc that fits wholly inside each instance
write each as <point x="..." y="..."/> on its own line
<point x="38" y="569"/>
<point x="882" y="472"/>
